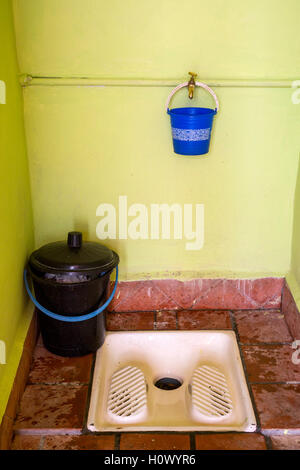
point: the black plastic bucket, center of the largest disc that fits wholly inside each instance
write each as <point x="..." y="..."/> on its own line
<point x="72" y="280"/>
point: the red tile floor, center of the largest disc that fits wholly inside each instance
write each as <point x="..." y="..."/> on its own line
<point x="53" y="410"/>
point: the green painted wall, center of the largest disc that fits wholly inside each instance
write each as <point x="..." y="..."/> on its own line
<point x="296" y="232"/>
<point x="88" y="145"/>
<point x="16" y="234"/>
<point x="159" y="38"/>
<point x="293" y="277"/>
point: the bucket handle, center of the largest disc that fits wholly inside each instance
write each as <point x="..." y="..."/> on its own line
<point x="78" y="318"/>
<point x="200" y="84"/>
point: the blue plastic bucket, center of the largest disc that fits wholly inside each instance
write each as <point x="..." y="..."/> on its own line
<point x="191" y="130"/>
<point x="191" y="127"/>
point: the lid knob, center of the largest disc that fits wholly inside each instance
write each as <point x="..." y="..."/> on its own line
<point x="74" y="239"/>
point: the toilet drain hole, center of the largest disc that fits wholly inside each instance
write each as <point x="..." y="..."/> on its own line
<point x="168" y="383"/>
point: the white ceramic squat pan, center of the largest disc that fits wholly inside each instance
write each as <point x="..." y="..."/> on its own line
<point x="170" y="381"/>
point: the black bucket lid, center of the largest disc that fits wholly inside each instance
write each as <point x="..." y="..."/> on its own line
<point x="73" y="256"/>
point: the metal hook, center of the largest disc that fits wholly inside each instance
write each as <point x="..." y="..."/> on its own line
<point x="191" y="84"/>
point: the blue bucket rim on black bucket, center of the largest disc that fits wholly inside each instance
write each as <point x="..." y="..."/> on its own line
<point x="68" y="318"/>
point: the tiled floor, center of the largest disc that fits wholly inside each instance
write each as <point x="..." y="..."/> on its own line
<point x="54" y="406"/>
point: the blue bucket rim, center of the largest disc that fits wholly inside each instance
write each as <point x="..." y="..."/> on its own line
<point x="184" y="112"/>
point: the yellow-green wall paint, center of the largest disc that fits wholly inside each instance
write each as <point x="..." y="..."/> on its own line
<point x="88" y="145"/>
<point x="295" y="265"/>
<point x="159" y="38"/>
<point x="293" y="277"/>
<point x="16" y="234"/>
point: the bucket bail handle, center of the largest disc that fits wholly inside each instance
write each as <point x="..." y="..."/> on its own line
<point x="200" y="84"/>
<point x="67" y="318"/>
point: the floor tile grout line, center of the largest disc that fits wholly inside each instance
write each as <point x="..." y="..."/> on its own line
<point x="41" y="443"/>
<point x="277" y="383"/>
<point x="234" y="326"/>
<point x="273" y="432"/>
<point x="181" y="309"/>
<point x="117" y="441"/>
<point x="192" y="441"/>
<point x="263" y="432"/>
<point x="281" y="297"/>
<point x="235" y="329"/>
<point x="63" y="384"/>
<point x="55" y="431"/>
<point x="88" y="398"/>
<point x="268" y="442"/>
<point x="274" y="343"/>
<point x="284" y="317"/>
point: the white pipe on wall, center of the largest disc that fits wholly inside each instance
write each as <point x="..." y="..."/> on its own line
<point x="30" y="80"/>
